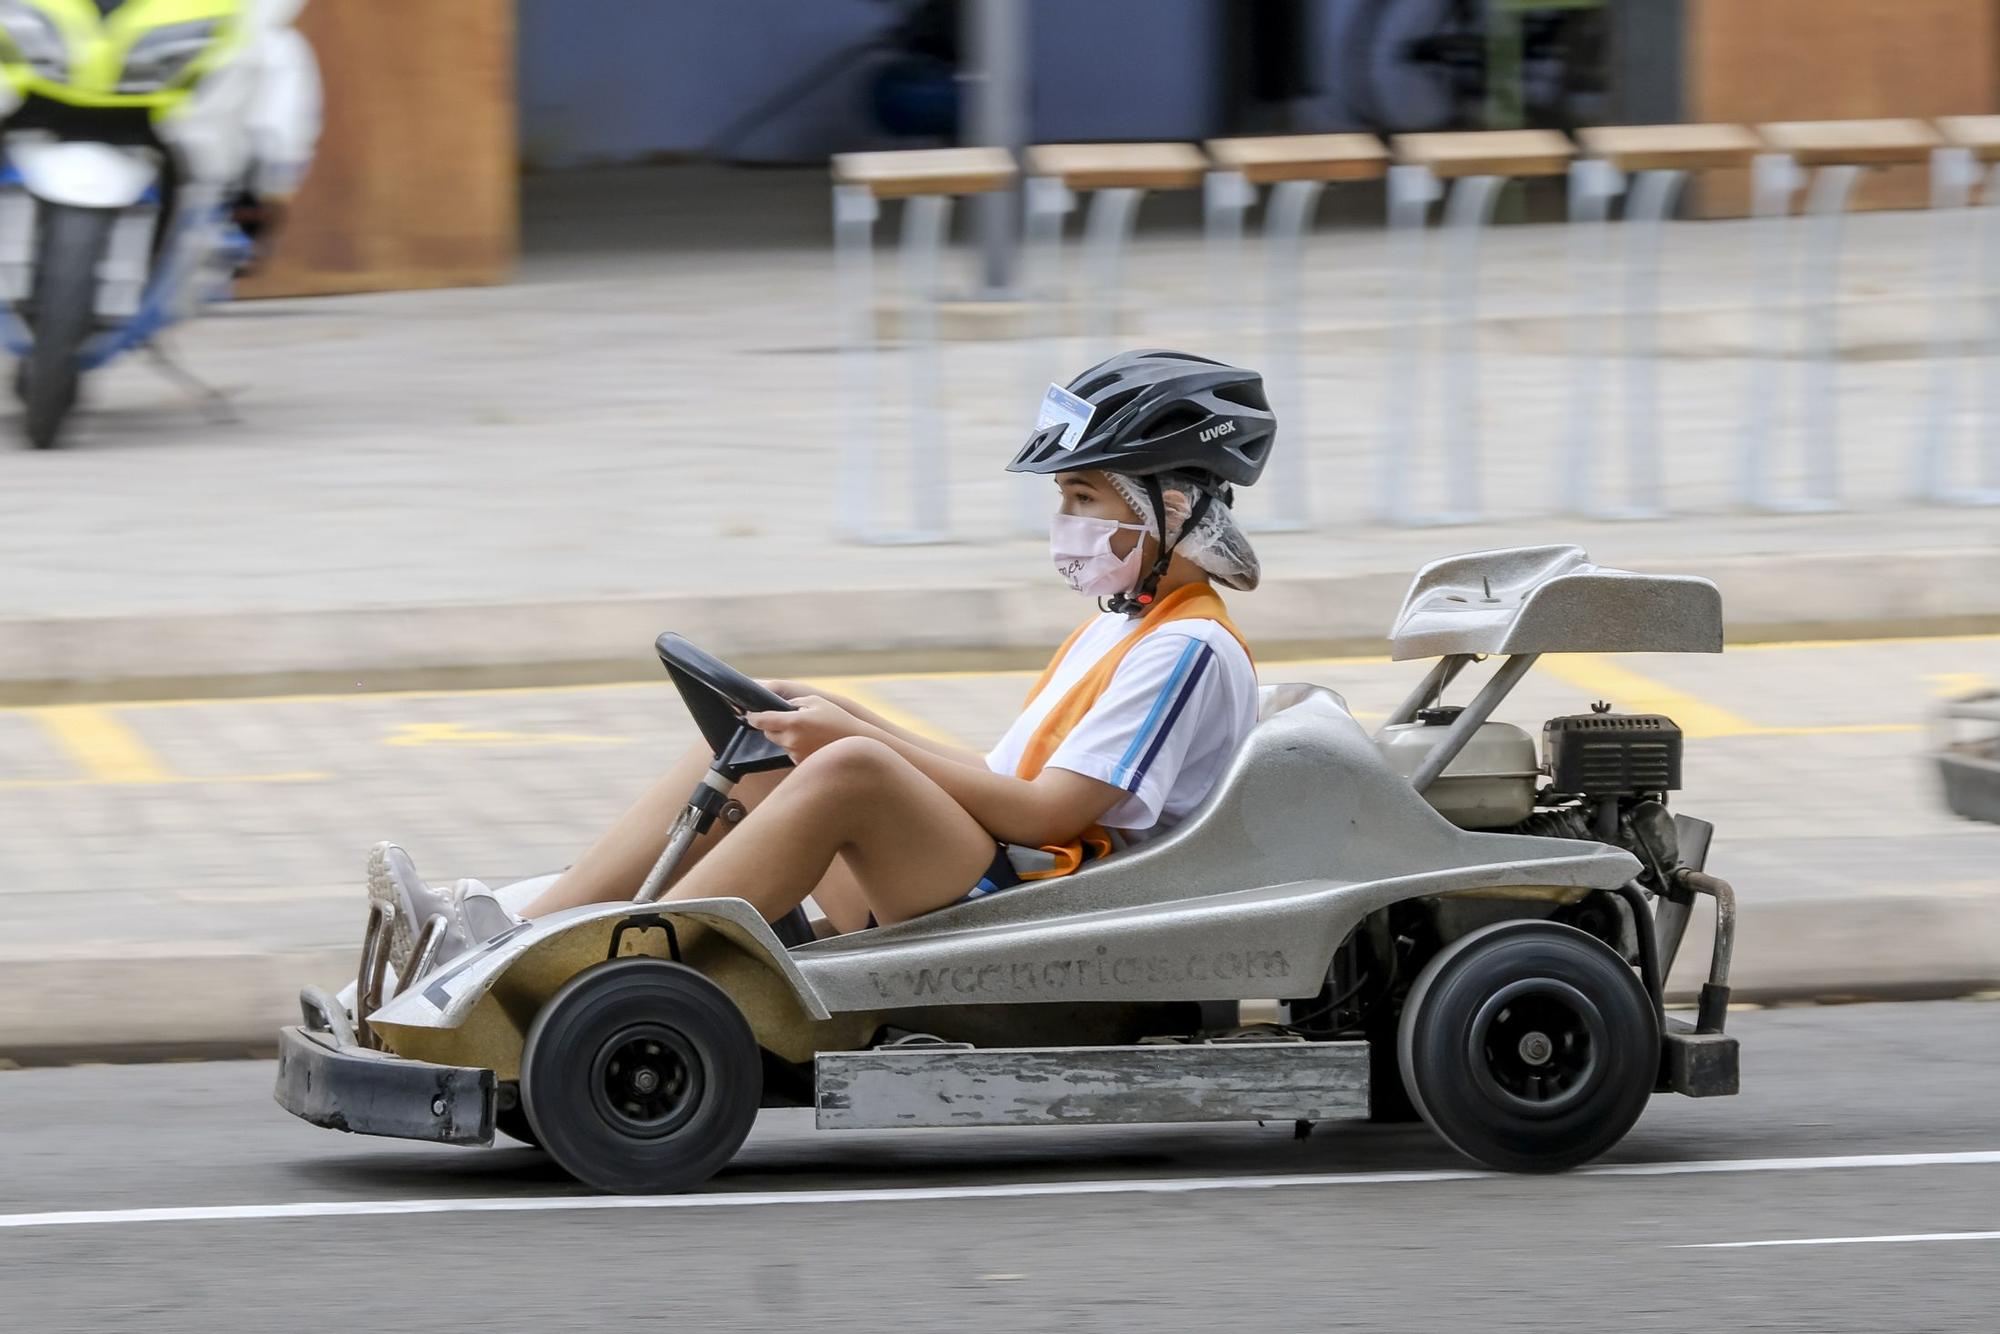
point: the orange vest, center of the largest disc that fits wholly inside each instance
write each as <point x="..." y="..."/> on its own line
<point x="1196" y="601"/>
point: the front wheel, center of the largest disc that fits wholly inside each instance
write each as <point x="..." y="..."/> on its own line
<point x="63" y="314"/>
<point x="641" y="1076"/>
<point x="1529" y="1046"/>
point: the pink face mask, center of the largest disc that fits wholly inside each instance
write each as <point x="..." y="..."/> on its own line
<point x="1081" y="548"/>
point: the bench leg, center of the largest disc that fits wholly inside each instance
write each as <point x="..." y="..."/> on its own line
<point x="1986" y="444"/>
<point x="1286" y="220"/>
<point x="1775" y="180"/>
<point x="1049" y="203"/>
<point x="1107" y="231"/>
<point x="854" y="211"/>
<point x="1225" y="198"/>
<point x="924" y="221"/>
<point x="1466" y="214"/>
<point x="1412" y="191"/>
<point x="1654" y="194"/>
<point x="1593" y="184"/>
<point x="1953" y="239"/>
<point x="1826" y="209"/>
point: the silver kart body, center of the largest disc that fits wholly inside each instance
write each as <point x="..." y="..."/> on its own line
<point x="1247" y="899"/>
<point x="1309" y="833"/>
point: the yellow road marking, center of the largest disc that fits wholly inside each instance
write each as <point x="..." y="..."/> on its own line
<point x="1947" y="684"/>
<point x="849" y="682"/>
<point x="458" y="734"/>
<point x="869" y="699"/>
<point x="96" y="742"/>
<point x="1797" y="645"/>
<point x="1832" y="729"/>
<point x="171" y="780"/>
<point x="1598" y="675"/>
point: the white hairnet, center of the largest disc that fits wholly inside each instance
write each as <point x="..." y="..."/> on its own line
<point x="1217" y="544"/>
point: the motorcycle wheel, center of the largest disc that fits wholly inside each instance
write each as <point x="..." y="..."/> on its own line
<point x="72" y="244"/>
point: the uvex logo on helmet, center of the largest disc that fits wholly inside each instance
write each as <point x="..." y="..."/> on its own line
<point x="1217" y="432"/>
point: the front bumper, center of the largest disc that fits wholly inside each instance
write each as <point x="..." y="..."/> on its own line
<point x="347" y="1087"/>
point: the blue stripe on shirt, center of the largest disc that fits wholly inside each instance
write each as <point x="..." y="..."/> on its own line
<point x="1160" y="704"/>
<point x="1187" y="693"/>
<point x="1165" y="709"/>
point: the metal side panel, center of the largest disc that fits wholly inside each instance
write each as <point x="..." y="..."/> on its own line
<point x="1046" y="1086"/>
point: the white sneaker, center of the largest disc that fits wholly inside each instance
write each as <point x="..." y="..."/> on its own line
<point x="479" y="915"/>
<point x="393" y="883"/>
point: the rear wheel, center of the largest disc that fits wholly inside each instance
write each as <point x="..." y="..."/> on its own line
<point x="72" y="244"/>
<point x="641" y="1076"/>
<point x="1529" y="1046"/>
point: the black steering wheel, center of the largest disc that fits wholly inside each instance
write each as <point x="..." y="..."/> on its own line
<point x="717" y="696"/>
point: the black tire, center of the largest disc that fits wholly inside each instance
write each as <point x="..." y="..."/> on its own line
<point x="1388" y="1101"/>
<point x="1479" y="1076"/>
<point x="633" y="1020"/>
<point x="72" y="243"/>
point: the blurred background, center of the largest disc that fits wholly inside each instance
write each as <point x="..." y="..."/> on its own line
<point x="593" y="319"/>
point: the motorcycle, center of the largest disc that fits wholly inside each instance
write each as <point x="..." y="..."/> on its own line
<point x="138" y="135"/>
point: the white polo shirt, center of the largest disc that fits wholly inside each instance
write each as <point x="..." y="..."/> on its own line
<point x="1165" y="728"/>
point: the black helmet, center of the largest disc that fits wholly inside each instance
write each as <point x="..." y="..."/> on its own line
<point x="1159" y="411"/>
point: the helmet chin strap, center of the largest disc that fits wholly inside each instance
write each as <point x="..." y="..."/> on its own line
<point x="1135" y="601"/>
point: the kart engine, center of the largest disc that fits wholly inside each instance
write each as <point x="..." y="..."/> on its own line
<point x="1608" y="779"/>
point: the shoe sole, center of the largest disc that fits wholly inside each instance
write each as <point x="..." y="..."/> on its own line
<point x="383" y="893"/>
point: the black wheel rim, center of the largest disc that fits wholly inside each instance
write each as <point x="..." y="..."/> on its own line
<point x="647" y="1081"/>
<point x="1536" y="1047"/>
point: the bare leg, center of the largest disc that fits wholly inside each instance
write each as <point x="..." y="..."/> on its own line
<point x="617" y="863"/>
<point x="906" y="846"/>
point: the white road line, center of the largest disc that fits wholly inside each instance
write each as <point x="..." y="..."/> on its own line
<point x="1840" y="1241"/>
<point x="751" y="1199"/>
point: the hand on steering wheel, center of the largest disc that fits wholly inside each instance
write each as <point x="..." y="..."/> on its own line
<point x="812" y="722"/>
<point x="718" y="696"/>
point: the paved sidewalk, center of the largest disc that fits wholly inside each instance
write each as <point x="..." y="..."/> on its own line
<point x="173" y="871"/>
<point x="553" y="471"/>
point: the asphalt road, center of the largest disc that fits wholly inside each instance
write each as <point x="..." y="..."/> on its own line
<point x="1856" y="1122"/>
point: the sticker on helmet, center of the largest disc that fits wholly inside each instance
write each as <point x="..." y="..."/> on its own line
<point x="1062" y="408"/>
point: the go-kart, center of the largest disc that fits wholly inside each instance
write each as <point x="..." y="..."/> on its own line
<point x="1456" y="927"/>
<point x="1967" y="751"/>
